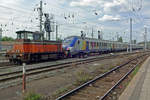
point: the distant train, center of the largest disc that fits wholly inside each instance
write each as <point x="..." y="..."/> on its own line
<point x="78" y="46"/>
<point x="31" y="46"/>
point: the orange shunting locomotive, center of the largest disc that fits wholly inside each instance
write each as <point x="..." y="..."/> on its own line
<point x="31" y="46"/>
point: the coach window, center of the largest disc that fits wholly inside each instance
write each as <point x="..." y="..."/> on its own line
<point x="94" y="44"/>
<point x="100" y="43"/>
<point x="104" y="44"/>
<point x="78" y="42"/>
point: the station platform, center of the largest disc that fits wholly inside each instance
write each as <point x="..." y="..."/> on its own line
<point x="139" y="87"/>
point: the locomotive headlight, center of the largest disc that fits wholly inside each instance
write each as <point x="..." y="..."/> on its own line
<point x="69" y="48"/>
<point x="63" y="46"/>
<point x="21" y="54"/>
<point x="17" y="51"/>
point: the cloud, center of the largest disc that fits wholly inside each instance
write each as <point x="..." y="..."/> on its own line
<point x="84" y="3"/>
<point x="109" y="18"/>
<point x="108" y="6"/>
<point x="115" y="5"/>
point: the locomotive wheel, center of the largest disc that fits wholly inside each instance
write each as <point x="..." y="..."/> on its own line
<point x="10" y="60"/>
<point x="14" y="61"/>
<point x="100" y="53"/>
<point x="79" y="55"/>
<point x="19" y="62"/>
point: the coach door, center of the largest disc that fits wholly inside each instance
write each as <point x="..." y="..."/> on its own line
<point x="87" y="45"/>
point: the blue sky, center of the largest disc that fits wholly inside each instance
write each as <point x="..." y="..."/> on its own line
<point x="112" y="17"/>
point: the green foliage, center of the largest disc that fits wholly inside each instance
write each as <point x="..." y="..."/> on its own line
<point x="135" y="71"/>
<point x="82" y="77"/>
<point x="7" y="38"/>
<point x="33" y="96"/>
<point x="120" y="39"/>
<point x="61" y="90"/>
<point x="134" y="41"/>
<point x="59" y="39"/>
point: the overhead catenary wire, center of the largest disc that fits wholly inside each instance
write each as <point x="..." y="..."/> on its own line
<point x="13" y="9"/>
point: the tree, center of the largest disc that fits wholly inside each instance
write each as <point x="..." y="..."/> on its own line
<point x="59" y="39"/>
<point x="7" y="38"/>
<point x="134" y="41"/>
<point x="120" y="39"/>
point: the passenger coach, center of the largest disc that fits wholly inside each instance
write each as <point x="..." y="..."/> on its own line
<point x="78" y="46"/>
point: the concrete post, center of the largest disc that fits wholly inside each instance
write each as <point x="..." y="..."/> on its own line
<point x="24" y="78"/>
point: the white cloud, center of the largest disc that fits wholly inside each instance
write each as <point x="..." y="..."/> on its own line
<point x="118" y="4"/>
<point x="107" y="5"/>
<point x="84" y="2"/>
<point x="110" y="18"/>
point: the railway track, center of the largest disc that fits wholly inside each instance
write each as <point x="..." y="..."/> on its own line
<point x="101" y="86"/>
<point x="18" y="74"/>
<point x="4" y="64"/>
<point x="13" y="78"/>
<point x="33" y="71"/>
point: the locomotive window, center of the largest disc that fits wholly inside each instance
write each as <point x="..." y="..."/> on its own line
<point x="30" y="36"/>
<point x="18" y="36"/>
<point x="22" y="36"/>
<point x="37" y="37"/>
<point x="68" y="40"/>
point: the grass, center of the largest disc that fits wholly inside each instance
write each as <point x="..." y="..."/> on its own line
<point x="135" y="71"/>
<point x="82" y="77"/>
<point x="33" y="96"/>
<point x="60" y="91"/>
<point x="132" y="75"/>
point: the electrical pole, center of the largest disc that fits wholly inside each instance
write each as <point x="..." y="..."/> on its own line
<point x="145" y="38"/>
<point x="41" y="14"/>
<point x="130" y="34"/>
<point x="99" y="35"/>
<point x="117" y="36"/>
<point x="0" y="38"/>
<point x="92" y="32"/>
<point x="56" y="32"/>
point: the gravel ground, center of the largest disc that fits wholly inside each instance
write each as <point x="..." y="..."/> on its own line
<point x="61" y="79"/>
<point x="114" y="95"/>
<point x="96" y="90"/>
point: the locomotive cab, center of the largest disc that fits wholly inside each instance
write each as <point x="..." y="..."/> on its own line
<point x="27" y="35"/>
<point x="21" y="48"/>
